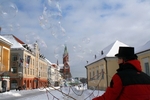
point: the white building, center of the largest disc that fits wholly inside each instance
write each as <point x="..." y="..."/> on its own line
<point x="54" y="76"/>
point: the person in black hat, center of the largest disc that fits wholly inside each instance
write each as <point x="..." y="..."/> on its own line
<point x="129" y="83"/>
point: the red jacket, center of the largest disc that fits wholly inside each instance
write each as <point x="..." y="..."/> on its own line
<point x="129" y="83"/>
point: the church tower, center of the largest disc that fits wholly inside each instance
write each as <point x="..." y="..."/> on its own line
<point x="66" y="67"/>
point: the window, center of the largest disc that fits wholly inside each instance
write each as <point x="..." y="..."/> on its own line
<point x="14" y="70"/>
<point x="25" y="70"/>
<point x="93" y="75"/>
<point x="33" y="62"/>
<point x="147" y="68"/>
<point x="98" y="74"/>
<point x="146" y="65"/>
<point x="102" y="74"/>
<point x="33" y="71"/>
<point x="90" y="76"/>
<point x="30" y="71"/>
<point x="14" y="58"/>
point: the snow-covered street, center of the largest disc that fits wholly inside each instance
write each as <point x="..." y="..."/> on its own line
<point x="51" y="94"/>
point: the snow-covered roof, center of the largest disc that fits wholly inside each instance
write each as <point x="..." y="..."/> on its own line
<point x="13" y="40"/>
<point x="48" y="61"/>
<point x="5" y="40"/>
<point x="109" y="51"/>
<point x="143" y="48"/>
<point x="113" y="48"/>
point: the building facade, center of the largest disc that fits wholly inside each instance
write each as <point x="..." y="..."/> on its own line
<point x="144" y="58"/>
<point x="55" y="76"/>
<point x="5" y="46"/>
<point x="143" y="54"/>
<point x="100" y="71"/>
<point x="103" y="67"/>
<point x="27" y="65"/>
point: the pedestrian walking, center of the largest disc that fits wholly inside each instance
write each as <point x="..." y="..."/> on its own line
<point x="24" y="86"/>
<point x="129" y="83"/>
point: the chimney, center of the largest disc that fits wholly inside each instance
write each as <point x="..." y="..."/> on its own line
<point x="95" y="56"/>
<point x="102" y="52"/>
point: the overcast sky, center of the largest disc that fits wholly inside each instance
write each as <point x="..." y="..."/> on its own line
<point x="84" y="26"/>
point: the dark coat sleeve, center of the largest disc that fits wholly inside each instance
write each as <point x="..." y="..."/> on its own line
<point x="112" y="92"/>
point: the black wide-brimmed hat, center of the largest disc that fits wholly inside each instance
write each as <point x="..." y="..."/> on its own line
<point x="126" y="52"/>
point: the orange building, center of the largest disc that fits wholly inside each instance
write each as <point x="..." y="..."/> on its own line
<point x="27" y="66"/>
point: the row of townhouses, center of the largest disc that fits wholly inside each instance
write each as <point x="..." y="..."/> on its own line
<point x="23" y="64"/>
<point x="101" y="69"/>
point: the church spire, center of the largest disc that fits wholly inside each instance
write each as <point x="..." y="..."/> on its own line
<point x="65" y="51"/>
<point x="66" y="67"/>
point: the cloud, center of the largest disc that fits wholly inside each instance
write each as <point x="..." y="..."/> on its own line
<point x="86" y="27"/>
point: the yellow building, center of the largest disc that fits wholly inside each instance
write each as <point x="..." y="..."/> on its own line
<point x="143" y="54"/>
<point x="103" y="67"/>
<point x="27" y="65"/>
<point x="5" y="46"/>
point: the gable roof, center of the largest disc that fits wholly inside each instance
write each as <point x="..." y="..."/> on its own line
<point x="114" y="48"/>
<point x="17" y="43"/>
<point x="5" y="40"/>
<point x="143" y="48"/>
<point x="109" y="51"/>
<point x="21" y="42"/>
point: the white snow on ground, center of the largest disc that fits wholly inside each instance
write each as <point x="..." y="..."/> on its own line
<point x="74" y="92"/>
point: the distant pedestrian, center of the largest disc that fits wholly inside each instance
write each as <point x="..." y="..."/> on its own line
<point x="129" y="83"/>
<point x="24" y="86"/>
<point x="18" y="88"/>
